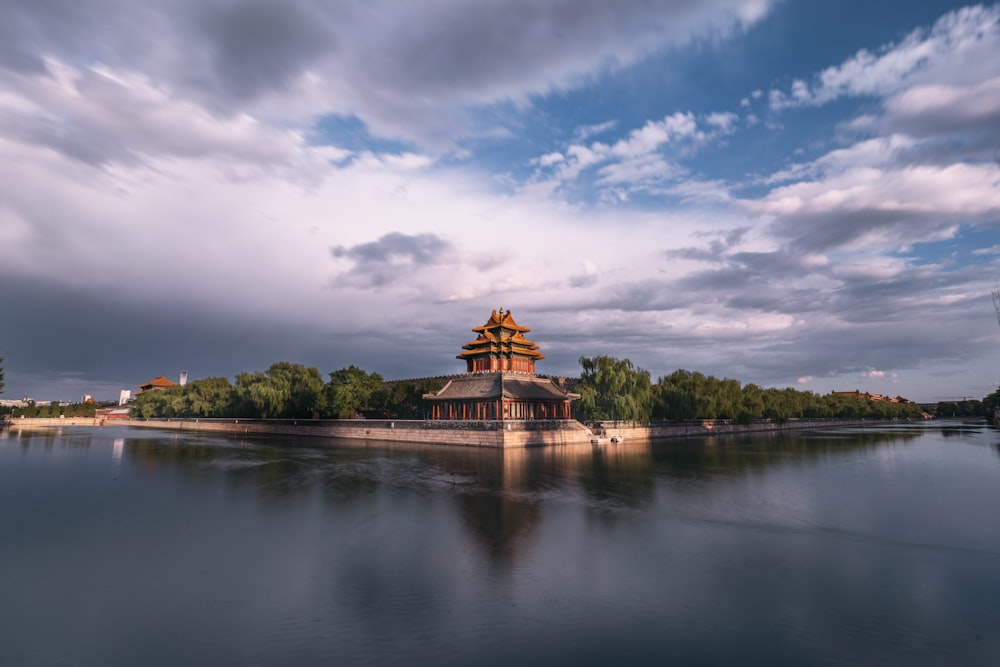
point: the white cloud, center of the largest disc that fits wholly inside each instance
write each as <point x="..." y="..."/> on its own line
<point x="643" y="158"/>
<point x="937" y="108"/>
<point x="586" y="131"/>
<point x="98" y="115"/>
<point x="724" y="121"/>
<point x="992" y="250"/>
<point x="550" y="159"/>
<point x="962" y="45"/>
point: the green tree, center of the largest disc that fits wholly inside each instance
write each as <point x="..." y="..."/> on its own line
<point x="404" y="399"/>
<point x="285" y="390"/>
<point x="349" y="391"/>
<point x="30" y="410"/>
<point x="687" y="395"/>
<point x="210" y="397"/>
<point x="613" y="388"/>
<point x="990" y="404"/>
<point x="751" y="404"/>
<point x="675" y="396"/>
<point x="152" y="405"/>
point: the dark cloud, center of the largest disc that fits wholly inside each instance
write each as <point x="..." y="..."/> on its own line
<point x="406" y="69"/>
<point x="582" y="280"/>
<point x="718" y="245"/>
<point x="392" y="257"/>
<point x="827" y="231"/>
<point x="822" y="350"/>
<point x="261" y="45"/>
<point x="97" y="31"/>
<point x="49" y="332"/>
<point x="60" y="342"/>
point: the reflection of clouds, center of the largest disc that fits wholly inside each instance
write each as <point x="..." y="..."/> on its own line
<point x="381" y="556"/>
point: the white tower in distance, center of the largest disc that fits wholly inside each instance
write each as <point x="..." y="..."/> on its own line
<point x="183" y="378"/>
<point x="996" y="299"/>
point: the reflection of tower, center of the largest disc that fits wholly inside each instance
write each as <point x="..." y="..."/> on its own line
<point x="996" y="307"/>
<point x="183" y="379"/>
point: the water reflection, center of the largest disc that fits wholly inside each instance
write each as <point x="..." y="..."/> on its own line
<point x="498" y="493"/>
<point x="712" y="456"/>
<point x="851" y="547"/>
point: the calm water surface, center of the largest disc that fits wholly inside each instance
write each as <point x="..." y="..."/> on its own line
<point x="855" y="547"/>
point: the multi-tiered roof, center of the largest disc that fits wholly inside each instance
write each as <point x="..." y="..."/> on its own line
<point x="500" y="383"/>
<point x="501" y="346"/>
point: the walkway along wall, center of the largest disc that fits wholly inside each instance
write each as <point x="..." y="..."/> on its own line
<point x="493" y="434"/>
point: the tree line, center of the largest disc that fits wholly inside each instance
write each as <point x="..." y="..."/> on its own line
<point x="609" y="388"/>
<point x="613" y="388"/>
<point x="288" y="391"/>
<point x="54" y="409"/>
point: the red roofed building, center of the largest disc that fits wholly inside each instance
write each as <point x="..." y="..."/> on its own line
<point x="156" y="384"/>
<point x="500" y="382"/>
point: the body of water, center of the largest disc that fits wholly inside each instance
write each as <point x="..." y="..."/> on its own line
<point x="876" y="546"/>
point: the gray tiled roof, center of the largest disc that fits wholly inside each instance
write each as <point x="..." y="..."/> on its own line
<point x="492" y="386"/>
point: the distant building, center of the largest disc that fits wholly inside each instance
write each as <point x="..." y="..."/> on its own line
<point x="124" y="396"/>
<point x="157" y="384"/>
<point x="871" y="397"/>
<point x="112" y="413"/>
<point x="500" y="381"/>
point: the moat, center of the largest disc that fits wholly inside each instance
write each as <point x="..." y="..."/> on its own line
<point x="854" y="546"/>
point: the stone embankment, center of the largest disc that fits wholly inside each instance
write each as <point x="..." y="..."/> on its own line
<point x="494" y="434"/>
<point x="48" y="422"/>
<point x="491" y="434"/>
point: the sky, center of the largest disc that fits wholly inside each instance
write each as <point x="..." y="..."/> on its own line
<point x="798" y="193"/>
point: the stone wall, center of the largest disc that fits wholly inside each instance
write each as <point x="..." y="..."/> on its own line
<point x="672" y="429"/>
<point x="51" y="422"/>
<point x="491" y="434"/>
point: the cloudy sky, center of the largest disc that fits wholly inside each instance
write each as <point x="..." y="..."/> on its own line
<point x="794" y="193"/>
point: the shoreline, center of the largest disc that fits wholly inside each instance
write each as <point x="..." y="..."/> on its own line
<point x="506" y="434"/>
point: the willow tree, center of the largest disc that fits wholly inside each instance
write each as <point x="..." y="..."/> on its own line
<point x="613" y="388"/>
<point x="285" y="390"/>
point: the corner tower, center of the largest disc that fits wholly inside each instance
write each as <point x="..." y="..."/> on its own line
<point x="500" y="381"/>
<point x="500" y="346"/>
